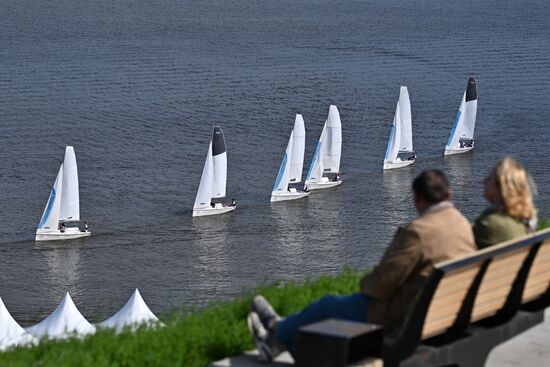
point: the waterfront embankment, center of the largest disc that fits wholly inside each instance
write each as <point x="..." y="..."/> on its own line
<point x="190" y="338"/>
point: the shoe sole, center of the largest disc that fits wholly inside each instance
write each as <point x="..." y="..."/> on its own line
<point x="263" y="349"/>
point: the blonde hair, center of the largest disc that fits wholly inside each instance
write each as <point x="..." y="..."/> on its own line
<point x="516" y="190"/>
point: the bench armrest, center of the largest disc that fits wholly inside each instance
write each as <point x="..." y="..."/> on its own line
<point x="337" y="343"/>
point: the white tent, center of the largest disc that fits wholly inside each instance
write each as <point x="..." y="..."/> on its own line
<point x="134" y="312"/>
<point x="64" y="322"/>
<point x="11" y="334"/>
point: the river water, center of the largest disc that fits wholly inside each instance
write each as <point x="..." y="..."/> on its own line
<point x="135" y="86"/>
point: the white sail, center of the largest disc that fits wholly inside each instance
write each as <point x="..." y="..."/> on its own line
<point x="326" y="157"/>
<point x="315" y="171"/>
<point x="219" y="160"/>
<point x="11" y="333"/>
<point x="283" y="178"/>
<point x="395" y="137"/>
<point x="134" y="313"/>
<point x="466" y="118"/>
<point x="50" y="216"/>
<point x="331" y="147"/>
<point x="298" y="148"/>
<point x="204" y="195"/>
<point x="70" y="206"/>
<point x="406" y="144"/>
<point x="64" y="322"/>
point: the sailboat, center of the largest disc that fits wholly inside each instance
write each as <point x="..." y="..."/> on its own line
<point x="61" y="217"/>
<point x="324" y="171"/>
<point x="292" y="165"/>
<point x="400" y="152"/>
<point x="461" y="138"/>
<point x="214" y="179"/>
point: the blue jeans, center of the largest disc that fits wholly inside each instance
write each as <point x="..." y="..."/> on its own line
<point x="351" y="308"/>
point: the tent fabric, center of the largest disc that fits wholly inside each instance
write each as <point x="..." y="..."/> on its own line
<point x="134" y="313"/>
<point x="11" y="333"/>
<point x="64" y="322"/>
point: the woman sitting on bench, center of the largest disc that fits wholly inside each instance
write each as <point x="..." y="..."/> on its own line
<point x="512" y="213"/>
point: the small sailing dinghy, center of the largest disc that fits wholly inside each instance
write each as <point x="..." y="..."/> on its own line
<point x="61" y="217"/>
<point x="290" y="172"/>
<point x="400" y="152"/>
<point x="324" y="171"/>
<point x="461" y="138"/>
<point x="213" y="180"/>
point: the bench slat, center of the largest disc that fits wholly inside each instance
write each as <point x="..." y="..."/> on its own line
<point x="448" y="299"/>
<point x="497" y="283"/>
<point x="539" y="275"/>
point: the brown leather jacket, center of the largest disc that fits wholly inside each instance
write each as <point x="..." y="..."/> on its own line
<point x="441" y="233"/>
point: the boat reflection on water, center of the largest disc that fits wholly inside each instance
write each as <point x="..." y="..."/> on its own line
<point x="326" y="241"/>
<point x="63" y="271"/>
<point x="466" y="183"/>
<point x="290" y="237"/>
<point x="211" y="254"/>
<point x="398" y="197"/>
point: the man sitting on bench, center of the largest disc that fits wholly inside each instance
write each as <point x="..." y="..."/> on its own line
<point x="439" y="233"/>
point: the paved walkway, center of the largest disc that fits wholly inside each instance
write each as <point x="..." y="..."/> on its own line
<point x="530" y="349"/>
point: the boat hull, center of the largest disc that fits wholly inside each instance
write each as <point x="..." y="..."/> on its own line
<point x="285" y="196"/>
<point x="58" y="235"/>
<point x="395" y="165"/>
<point x="212" y="211"/>
<point x="457" y="151"/>
<point x="322" y="185"/>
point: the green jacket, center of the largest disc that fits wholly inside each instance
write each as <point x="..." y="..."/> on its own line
<point x="494" y="226"/>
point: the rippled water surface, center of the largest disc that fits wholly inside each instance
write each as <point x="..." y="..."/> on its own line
<point x="135" y="86"/>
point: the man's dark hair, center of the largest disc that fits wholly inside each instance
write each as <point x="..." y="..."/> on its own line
<point x="432" y="185"/>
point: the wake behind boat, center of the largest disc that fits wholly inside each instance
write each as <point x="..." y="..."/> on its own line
<point x="214" y="179"/>
<point x="461" y="138"/>
<point x="292" y="165"/>
<point x="324" y="171"/>
<point x="61" y="217"/>
<point x="400" y="152"/>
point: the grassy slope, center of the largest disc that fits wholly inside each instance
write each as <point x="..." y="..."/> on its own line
<point x="191" y="339"/>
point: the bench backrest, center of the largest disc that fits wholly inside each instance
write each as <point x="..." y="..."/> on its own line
<point x="497" y="282"/>
<point x="486" y="286"/>
<point x="448" y="298"/>
<point x="538" y="281"/>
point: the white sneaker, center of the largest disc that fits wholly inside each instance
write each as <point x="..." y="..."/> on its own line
<point x="264" y="340"/>
<point x="265" y="311"/>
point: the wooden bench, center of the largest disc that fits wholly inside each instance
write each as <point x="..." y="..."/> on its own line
<point x="468" y="306"/>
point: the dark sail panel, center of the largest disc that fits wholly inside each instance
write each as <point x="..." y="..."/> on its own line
<point x="471" y="90"/>
<point x="218" y="141"/>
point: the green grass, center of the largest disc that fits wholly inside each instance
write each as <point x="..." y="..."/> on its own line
<point x="192" y="338"/>
<point x="544" y="223"/>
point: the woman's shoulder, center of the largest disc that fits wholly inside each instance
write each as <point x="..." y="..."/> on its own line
<point x="494" y="226"/>
<point x="498" y="216"/>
